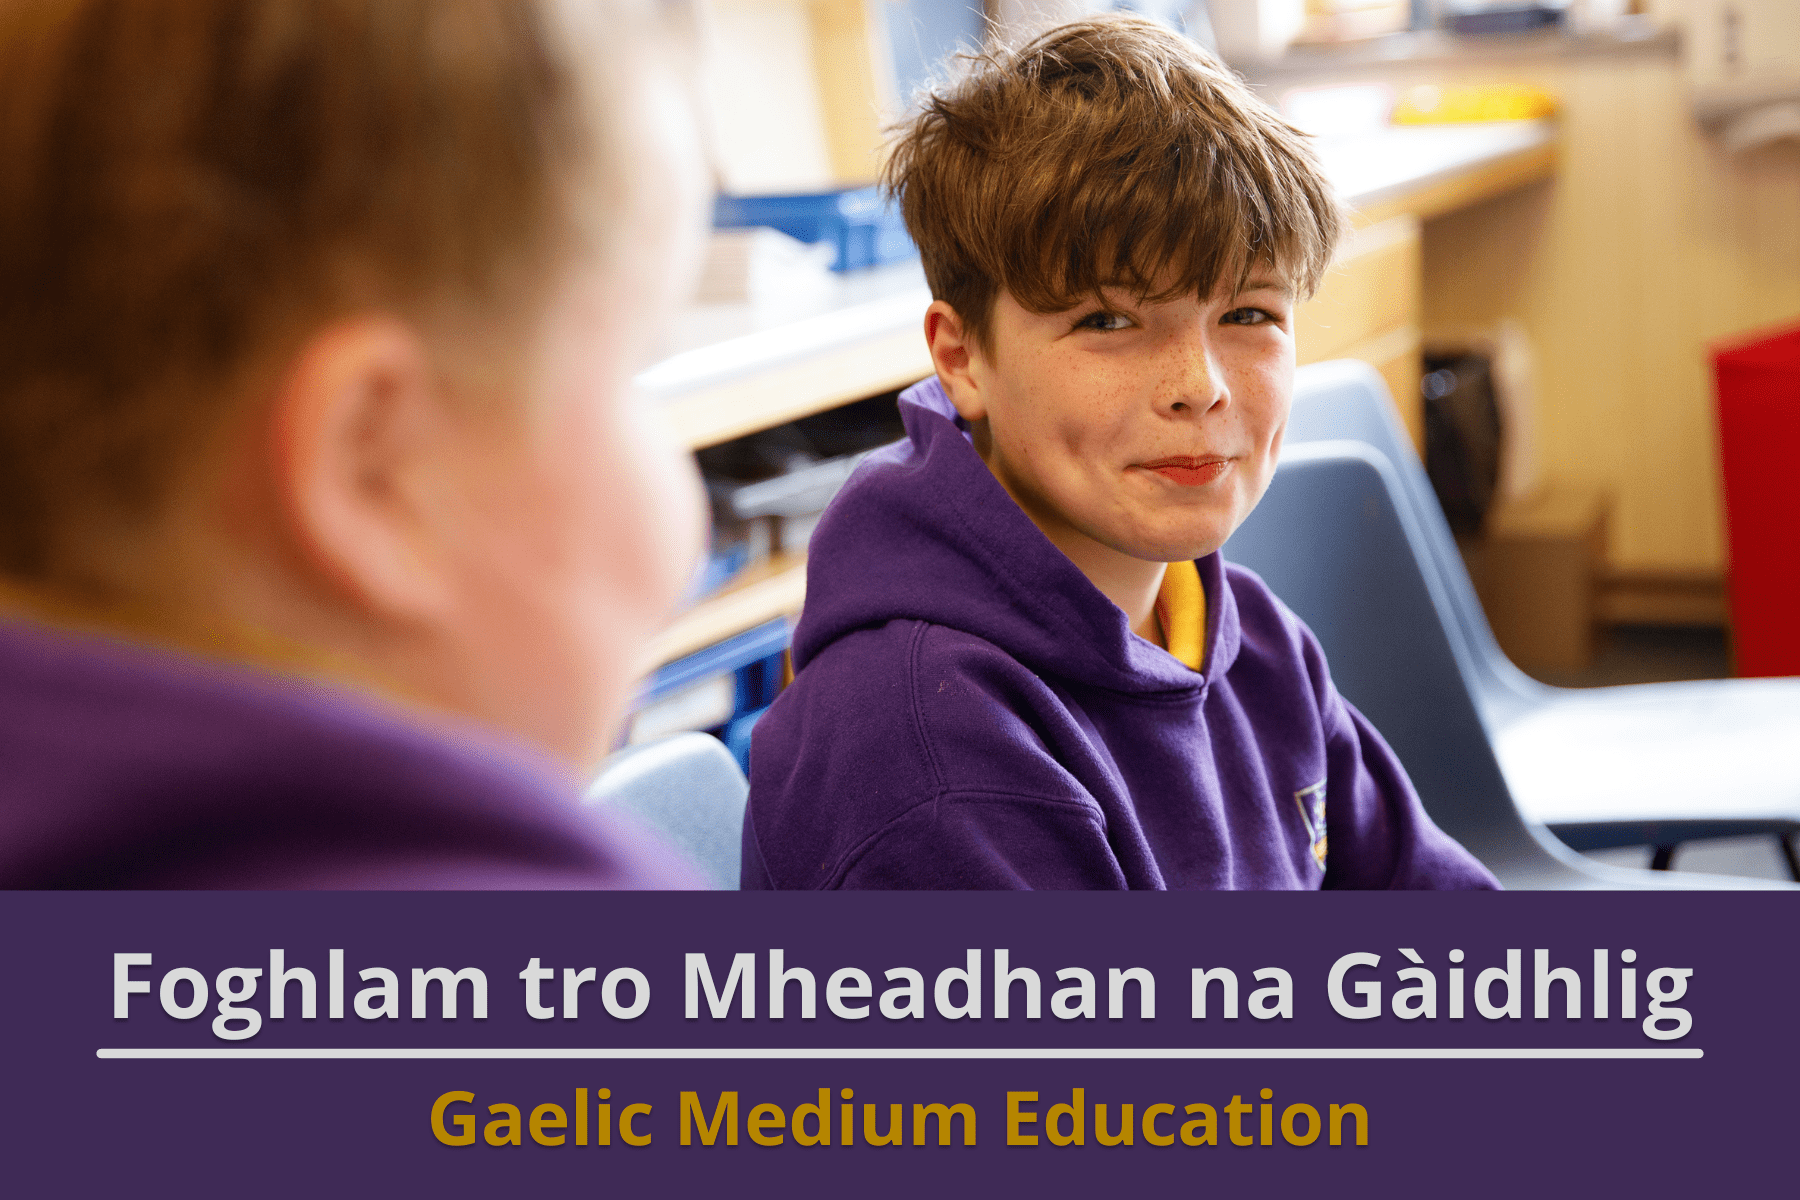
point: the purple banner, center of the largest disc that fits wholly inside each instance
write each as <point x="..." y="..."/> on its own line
<point x="884" y="1044"/>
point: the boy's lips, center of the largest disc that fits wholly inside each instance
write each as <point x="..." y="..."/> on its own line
<point x="1189" y="472"/>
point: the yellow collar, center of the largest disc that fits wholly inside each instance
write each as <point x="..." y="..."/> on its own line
<point x="1181" y="611"/>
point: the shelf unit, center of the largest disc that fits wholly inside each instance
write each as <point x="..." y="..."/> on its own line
<point x="774" y="589"/>
<point x="792" y="390"/>
<point x="740" y="368"/>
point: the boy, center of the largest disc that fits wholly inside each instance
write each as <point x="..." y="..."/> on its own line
<point x="1022" y="663"/>
<point x="328" y="534"/>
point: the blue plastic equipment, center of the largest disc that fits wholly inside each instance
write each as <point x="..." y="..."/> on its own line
<point x="864" y="226"/>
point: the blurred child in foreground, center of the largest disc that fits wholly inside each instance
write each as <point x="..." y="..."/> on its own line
<point x="328" y="528"/>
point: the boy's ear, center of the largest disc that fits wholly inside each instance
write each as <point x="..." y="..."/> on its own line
<point x="957" y="359"/>
<point x="358" y="423"/>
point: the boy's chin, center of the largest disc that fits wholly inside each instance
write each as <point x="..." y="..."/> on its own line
<point x="1157" y="538"/>
<point x="1177" y="541"/>
<point x="1175" y="550"/>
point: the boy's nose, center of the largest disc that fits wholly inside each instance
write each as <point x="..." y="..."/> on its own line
<point x="1196" y="385"/>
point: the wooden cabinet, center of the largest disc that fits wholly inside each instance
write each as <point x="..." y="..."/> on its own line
<point x="1654" y="241"/>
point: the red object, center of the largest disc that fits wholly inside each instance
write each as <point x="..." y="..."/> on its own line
<point x="1759" y="445"/>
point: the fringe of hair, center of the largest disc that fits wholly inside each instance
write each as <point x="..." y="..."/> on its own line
<point x="1108" y="152"/>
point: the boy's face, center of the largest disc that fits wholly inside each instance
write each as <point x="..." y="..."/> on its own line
<point x="1143" y="429"/>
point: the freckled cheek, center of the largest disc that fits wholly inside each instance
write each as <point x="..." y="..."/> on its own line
<point x="1090" y="444"/>
<point x="1065" y="417"/>
<point x="1265" y="407"/>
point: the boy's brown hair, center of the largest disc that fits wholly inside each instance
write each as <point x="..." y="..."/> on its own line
<point x="190" y="184"/>
<point x="1105" y="152"/>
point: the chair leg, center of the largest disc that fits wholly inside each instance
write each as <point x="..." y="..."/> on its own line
<point x="1664" y="858"/>
<point x="1786" y="842"/>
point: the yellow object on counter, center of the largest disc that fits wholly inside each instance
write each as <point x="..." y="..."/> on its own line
<point x="1432" y="105"/>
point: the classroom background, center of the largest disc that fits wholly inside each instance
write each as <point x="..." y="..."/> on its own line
<point x="1574" y="280"/>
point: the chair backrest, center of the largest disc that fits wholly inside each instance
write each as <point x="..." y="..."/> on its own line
<point x="1349" y="400"/>
<point x="1335" y="540"/>
<point x="689" y="790"/>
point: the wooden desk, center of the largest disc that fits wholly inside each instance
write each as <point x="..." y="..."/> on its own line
<point x="737" y="368"/>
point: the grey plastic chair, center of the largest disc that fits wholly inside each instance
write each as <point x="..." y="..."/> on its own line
<point x="1334" y="540"/>
<point x="1645" y="764"/>
<point x="687" y="789"/>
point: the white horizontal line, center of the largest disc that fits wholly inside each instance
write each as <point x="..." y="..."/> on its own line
<point x="953" y="1053"/>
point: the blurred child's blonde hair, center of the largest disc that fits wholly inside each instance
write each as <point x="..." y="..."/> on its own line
<point x="1105" y="152"/>
<point x="191" y="184"/>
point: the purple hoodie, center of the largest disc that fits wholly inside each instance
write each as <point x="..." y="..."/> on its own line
<point x="971" y="712"/>
<point x="123" y="766"/>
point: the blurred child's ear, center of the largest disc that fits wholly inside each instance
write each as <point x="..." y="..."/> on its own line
<point x="357" y="430"/>
<point x="957" y="359"/>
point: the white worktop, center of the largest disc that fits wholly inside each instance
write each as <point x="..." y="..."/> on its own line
<point x="1372" y="167"/>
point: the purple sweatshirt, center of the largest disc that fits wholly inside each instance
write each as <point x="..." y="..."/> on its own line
<point x="971" y="712"/>
<point x="123" y="766"/>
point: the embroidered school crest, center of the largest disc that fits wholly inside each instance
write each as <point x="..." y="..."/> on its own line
<point x="1312" y="813"/>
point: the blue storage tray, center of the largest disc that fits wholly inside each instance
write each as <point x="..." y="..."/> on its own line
<point x="754" y="657"/>
<point x="750" y="649"/>
<point x="864" y="226"/>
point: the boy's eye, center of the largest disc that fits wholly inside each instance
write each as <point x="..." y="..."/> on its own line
<point x="1249" y="316"/>
<point x="1104" y="320"/>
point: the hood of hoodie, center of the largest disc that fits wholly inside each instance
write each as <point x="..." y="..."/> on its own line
<point x="923" y="531"/>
